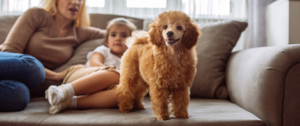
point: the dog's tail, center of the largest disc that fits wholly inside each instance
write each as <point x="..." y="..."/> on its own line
<point x="138" y="37"/>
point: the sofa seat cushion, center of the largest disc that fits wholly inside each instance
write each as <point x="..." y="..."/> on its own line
<point x="201" y="112"/>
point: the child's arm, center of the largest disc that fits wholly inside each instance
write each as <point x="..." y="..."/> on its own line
<point x="97" y="60"/>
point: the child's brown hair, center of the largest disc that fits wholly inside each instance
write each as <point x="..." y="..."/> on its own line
<point x="120" y="21"/>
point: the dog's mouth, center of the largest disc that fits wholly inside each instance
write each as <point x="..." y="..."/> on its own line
<point x="172" y="41"/>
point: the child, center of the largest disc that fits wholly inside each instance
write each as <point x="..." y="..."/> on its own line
<point x="95" y="86"/>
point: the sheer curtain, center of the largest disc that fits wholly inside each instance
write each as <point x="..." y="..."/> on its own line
<point x="136" y="8"/>
<point x="16" y="7"/>
<point x="201" y="11"/>
<point x="208" y="11"/>
<point x="257" y="23"/>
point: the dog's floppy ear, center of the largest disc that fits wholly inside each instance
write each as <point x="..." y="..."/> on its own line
<point x="155" y="34"/>
<point x="191" y="35"/>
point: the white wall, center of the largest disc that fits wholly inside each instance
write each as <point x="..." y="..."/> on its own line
<point x="283" y="23"/>
<point x="277" y="26"/>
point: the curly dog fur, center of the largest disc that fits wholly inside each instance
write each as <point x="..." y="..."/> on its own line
<point x="164" y="60"/>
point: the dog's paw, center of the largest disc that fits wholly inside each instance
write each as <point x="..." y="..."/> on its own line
<point x="182" y="116"/>
<point x="162" y="118"/>
<point x="124" y="110"/>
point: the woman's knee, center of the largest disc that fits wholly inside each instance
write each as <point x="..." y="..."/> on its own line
<point x="34" y="68"/>
<point x="34" y="65"/>
<point x="21" y="67"/>
<point x="14" y="96"/>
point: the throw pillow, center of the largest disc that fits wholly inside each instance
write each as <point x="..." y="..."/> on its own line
<point x="213" y="50"/>
<point x="80" y="53"/>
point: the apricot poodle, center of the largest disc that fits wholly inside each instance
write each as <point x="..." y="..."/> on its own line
<point x="163" y="59"/>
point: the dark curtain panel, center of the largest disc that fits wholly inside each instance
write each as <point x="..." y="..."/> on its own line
<point x="256" y="34"/>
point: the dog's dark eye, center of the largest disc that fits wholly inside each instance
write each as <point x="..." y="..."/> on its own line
<point x="179" y="27"/>
<point x="165" y="27"/>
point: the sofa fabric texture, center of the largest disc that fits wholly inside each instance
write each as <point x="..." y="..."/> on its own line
<point x="6" y="23"/>
<point x="212" y="112"/>
<point x="264" y="81"/>
<point x="291" y="97"/>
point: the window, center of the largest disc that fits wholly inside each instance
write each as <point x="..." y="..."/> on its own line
<point x="201" y="10"/>
<point x="95" y="3"/>
<point x="17" y="6"/>
<point x="146" y="3"/>
<point x="206" y="7"/>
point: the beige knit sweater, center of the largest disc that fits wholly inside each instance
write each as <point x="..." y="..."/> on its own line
<point x="35" y="33"/>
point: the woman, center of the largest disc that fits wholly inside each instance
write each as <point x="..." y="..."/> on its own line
<point x="40" y="41"/>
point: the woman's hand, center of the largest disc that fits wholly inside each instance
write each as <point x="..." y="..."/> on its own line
<point x="56" y="76"/>
<point x="60" y="76"/>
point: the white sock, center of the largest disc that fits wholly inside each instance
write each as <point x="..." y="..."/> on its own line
<point x="69" y="104"/>
<point x="59" y="94"/>
<point x="70" y="89"/>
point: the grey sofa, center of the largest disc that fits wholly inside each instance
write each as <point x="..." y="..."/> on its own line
<point x="263" y="86"/>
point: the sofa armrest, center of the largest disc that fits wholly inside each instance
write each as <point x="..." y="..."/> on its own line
<point x="266" y="82"/>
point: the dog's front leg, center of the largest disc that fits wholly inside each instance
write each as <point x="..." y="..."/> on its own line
<point x="180" y="101"/>
<point x="159" y="101"/>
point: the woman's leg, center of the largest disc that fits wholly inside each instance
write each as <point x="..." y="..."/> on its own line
<point x="18" y="72"/>
<point x="21" y="67"/>
<point x="14" y="96"/>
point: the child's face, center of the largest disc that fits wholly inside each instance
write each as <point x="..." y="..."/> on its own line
<point x="116" y="39"/>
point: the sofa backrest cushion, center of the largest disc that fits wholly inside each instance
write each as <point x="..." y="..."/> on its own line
<point x="80" y="53"/>
<point x="213" y="50"/>
<point x="6" y="23"/>
<point x="97" y="20"/>
<point x="101" y="20"/>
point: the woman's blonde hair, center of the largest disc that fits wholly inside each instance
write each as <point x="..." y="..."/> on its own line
<point x="120" y="21"/>
<point x="82" y="18"/>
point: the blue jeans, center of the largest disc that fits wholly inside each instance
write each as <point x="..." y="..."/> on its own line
<point x="18" y="72"/>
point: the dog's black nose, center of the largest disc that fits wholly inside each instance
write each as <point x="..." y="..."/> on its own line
<point x="170" y="33"/>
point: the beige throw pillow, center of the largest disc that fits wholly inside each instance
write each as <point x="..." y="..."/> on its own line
<point x="80" y="53"/>
<point x="213" y="50"/>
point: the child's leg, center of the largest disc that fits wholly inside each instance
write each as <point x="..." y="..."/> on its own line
<point x="95" y="82"/>
<point x="88" y="84"/>
<point x="98" y="100"/>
